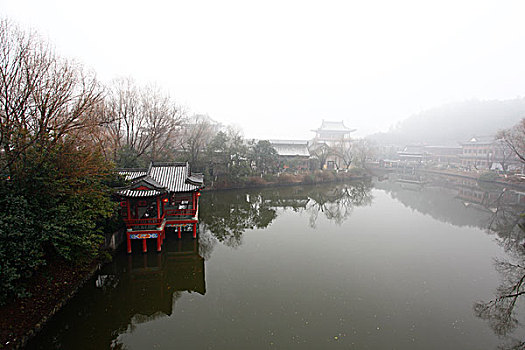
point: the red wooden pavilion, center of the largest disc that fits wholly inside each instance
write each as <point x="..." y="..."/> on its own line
<point x="164" y="195"/>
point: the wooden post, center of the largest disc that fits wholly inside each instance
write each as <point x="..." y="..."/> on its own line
<point x="128" y="242"/>
<point x="159" y="242"/>
<point x="129" y="210"/>
<point x="144" y="246"/>
<point x="195" y="230"/>
<point x="158" y="207"/>
<point x="180" y="229"/>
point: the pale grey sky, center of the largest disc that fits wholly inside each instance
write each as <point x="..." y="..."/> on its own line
<point x="277" y="68"/>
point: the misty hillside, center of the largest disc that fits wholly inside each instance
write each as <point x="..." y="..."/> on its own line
<point x="454" y="123"/>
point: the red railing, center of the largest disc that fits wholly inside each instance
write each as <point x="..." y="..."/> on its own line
<point x="144" y="222"/>
<point x="180" y="212"/>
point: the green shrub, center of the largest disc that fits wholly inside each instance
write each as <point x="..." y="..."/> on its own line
<point x="21" y="250"/>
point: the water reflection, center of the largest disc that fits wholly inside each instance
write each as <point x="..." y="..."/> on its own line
<point x="507" y="222"/>
<point x="227" y="215"/>
<point x="337" y="203"/>
<point x="494" y="208"/>
<point x="133" y="289"/>
<point x="416" y="283"/>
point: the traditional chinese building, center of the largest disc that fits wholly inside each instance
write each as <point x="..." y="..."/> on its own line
<point x="292" y="154"/>
<point x="166" y="195"/>
<point x="335" y="136"/>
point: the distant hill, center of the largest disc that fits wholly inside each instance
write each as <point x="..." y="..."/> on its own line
<point x="453" y="123"/>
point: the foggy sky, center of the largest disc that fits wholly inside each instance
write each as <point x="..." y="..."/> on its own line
<point x="277" y="68"/>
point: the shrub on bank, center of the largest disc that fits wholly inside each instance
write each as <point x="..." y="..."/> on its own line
<point x="21" y="250"/>
<point x="256" y="181"/>
<point x="289" y="178"/>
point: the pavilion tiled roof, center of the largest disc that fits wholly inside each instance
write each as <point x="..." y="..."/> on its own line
<point x="132" y="174"/>
<point x="140" y="193"/>
<point x="160" y="178"/>
<point x="174" y="176"/>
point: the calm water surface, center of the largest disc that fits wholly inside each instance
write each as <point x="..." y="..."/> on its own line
<point x="390" y="265"/>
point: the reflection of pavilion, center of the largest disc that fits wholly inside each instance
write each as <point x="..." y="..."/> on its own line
<point x="132" y="289"/>
<point x="153" y="279"/>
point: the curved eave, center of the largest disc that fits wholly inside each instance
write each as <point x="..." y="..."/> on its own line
<point x="139" y="193"/>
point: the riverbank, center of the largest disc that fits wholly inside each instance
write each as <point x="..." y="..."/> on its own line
<point x="49" y="290"/>
<point x="289" y="179"/>
<point x="510" y="181"/>
<point x="500" y="180"/>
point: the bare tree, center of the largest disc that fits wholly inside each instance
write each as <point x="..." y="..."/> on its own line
<point x="363" y="150"/>
<point x="321" y="152"/>
<point x="515" y="139"/>
<point x="163" y="120"/>
<point x="345" y="151"/>
<point x="43" y="98"/>
<point x="145" y="120"/>
<point x="196" y="134"/>
<point x="503" y="154"/>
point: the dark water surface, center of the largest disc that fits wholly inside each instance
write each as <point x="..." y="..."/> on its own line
<point x="390" y="265"/>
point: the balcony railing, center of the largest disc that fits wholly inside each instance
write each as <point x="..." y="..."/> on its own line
<point x="180" y="212"/>
<point x="144" y="222"/>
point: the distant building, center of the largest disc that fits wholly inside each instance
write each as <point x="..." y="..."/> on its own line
<point x="412" y="154"/>
<point x="484" y="153"/>
<point x="435" y="155"/>
<point x="336" y="136"/>
<point x="443" y="155"/>
<point x="478" y="152"/>
<point x="292" y="153"/>
<point x="332" y="133"/>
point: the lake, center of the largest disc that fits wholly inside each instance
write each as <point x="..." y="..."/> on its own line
<point x="393" y="264"/>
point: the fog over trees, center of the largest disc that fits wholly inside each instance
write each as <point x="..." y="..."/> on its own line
<point x="456" y="122"/>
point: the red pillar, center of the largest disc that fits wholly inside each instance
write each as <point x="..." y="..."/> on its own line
<point x="159" y="242"/>
<point x="158" y="207"/>
<point x="129" y="210"/>
<point x="195" y="230"/>
<point x="144" y="246"/>
<point x="128" y="242"/>
<point x="180" y="229"/>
